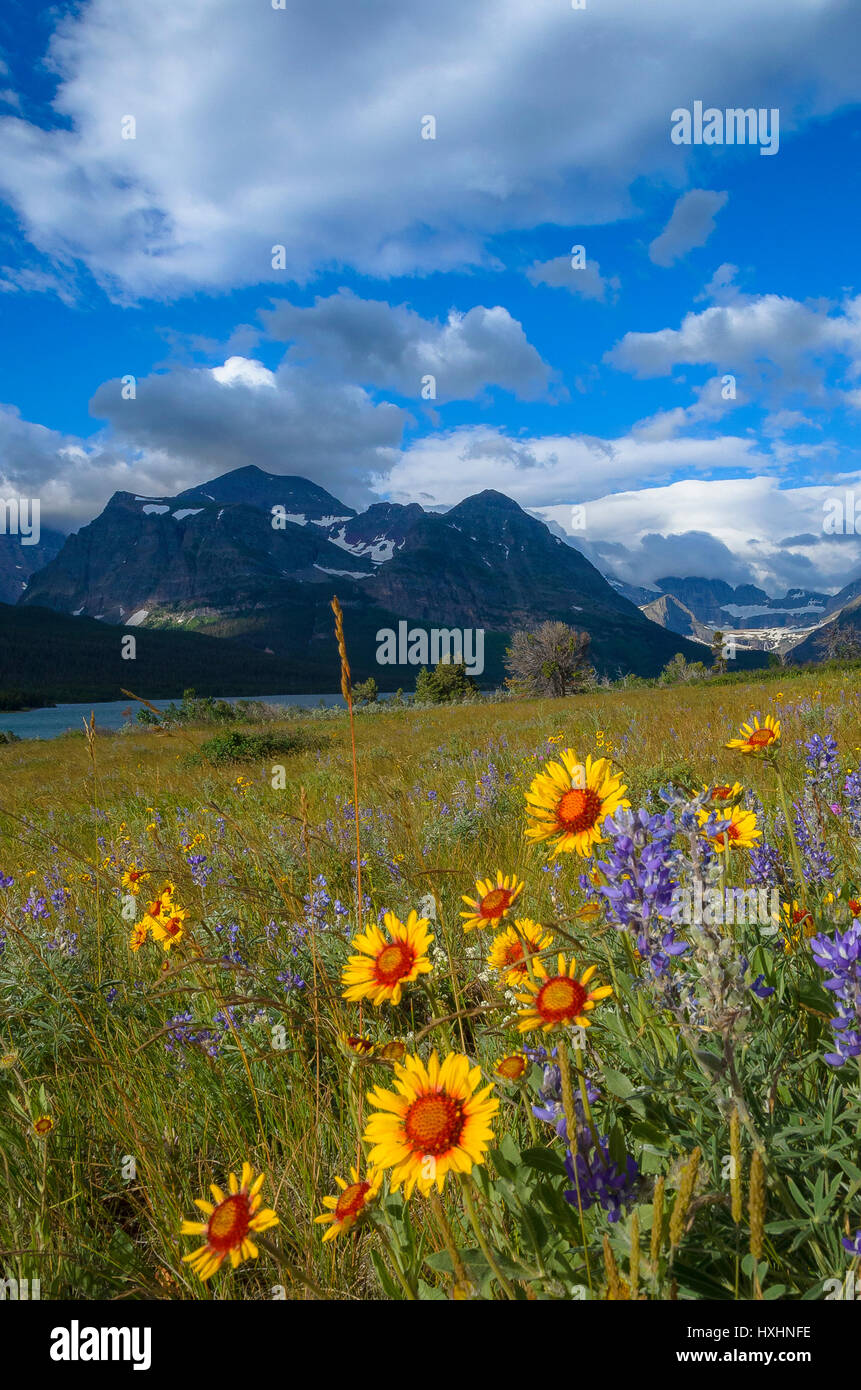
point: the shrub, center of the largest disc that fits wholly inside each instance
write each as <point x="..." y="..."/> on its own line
<point x="366" y="692"/>
<point x="237" y="747"/>
<point x="447" y="684"/>
<point x="551" y="660"/>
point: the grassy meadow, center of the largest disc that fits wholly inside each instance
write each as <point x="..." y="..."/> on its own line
<point x="717" y="1153"/>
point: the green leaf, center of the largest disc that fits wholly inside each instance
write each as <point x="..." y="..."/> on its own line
<point x="617" y="1084"/>
<point x="544" y="1161"/>
<point x="510" y="1151"/>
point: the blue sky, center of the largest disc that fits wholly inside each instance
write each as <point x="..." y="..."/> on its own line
<point x="600" y="388"/>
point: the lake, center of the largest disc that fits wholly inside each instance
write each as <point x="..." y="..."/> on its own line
<point x="48" y="723"/>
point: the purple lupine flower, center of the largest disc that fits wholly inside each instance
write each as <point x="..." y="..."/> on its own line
<point x="6" y="881"/>
<point x="230" y="932"/>
<point x="290" y="981"/>
<point x="818" y="860"/>
<point x="184" y="1035"/>
<point x="853" y="1244"/>
<point x="659" y="952"/>
<point x="35" y="907"/>
<point x="550" y="1093"/>
<point x="821" y="758"/>
<point x="764" y="865"/>
<point x="841" y="955"/>
<point x="201" y="872"/>
<point x="852" y="795"/>
<point x="65" y="942"/>
<point x="641" y="873"/>
<point x="758" y="988"/>
<point x="600" y="1179"/>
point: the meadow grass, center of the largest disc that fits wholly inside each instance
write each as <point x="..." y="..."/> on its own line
<point x="162" y="1071"/>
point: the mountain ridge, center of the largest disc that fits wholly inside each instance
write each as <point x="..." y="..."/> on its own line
<point x="255" y="557"/>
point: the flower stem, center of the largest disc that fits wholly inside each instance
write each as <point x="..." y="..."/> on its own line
<point x="465" y="1182"/>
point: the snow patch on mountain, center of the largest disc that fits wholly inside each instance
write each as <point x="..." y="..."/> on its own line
<point x="345" y="574"/>
<point x="379" y="550"/>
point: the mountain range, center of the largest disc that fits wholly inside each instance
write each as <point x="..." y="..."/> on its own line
<point x="18" y="562"/>
<point x="696" y="607"/>
<point x="255" y="558"/>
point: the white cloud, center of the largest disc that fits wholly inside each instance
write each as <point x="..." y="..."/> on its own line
<point x="244" y="371"/>
<point x="713" y="400"/>
<point x="691" y="224"/>
<point x="391" y="346"/>
<point x="447" y="466"/>
<point x="203" y="421"/>
<point x="587" y="281"/>
<point x="301" y="127"/>
<point x="776" y="343"/>
<point x="736" y="529"/>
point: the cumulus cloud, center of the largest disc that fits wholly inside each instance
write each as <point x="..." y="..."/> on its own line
<point x="742" y="530"/>
<point x="205" y="421"/>
<point x="587" y="280"/>
<point x="691" y="224"/>
<point x="391" y="346"/>
<point x="779" y="344"/>
<point x="193" y="423"/>
<point x="302" y="127"/>
<point x="71" y="478"/>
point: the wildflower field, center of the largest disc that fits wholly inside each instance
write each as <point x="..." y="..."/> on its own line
<point x="508" y="1033"/>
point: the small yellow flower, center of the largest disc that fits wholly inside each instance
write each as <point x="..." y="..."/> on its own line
<point x="43" y="1126"/>
<point x="739" y="829"/>
<point x="139" y="934"/>
<point x="724" y="791"/>
<point x="384" y="964"/>
<point x="589" y="912"/>
<point x="168" y="927"/>
<point x="163" y="904"/>
<point x="8" y="1059"/>
<point x="133" y="878"/>
<point x="355" y="1045"/>
<point x="513" y="1067"/>
<point x="798" y="925"/>
<point x="229" y="1225"/>
<point x="492" y="902"/>
<point x="435" y="1121"/>
<point x="557" y="1001"/>
<point x="757" y="738"/>
<point x="506" y="953"/>
<point x="346" y="1209"/>
<point x="569" y="800"/>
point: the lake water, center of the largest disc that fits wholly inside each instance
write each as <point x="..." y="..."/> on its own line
<point x="48" y="723"/>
